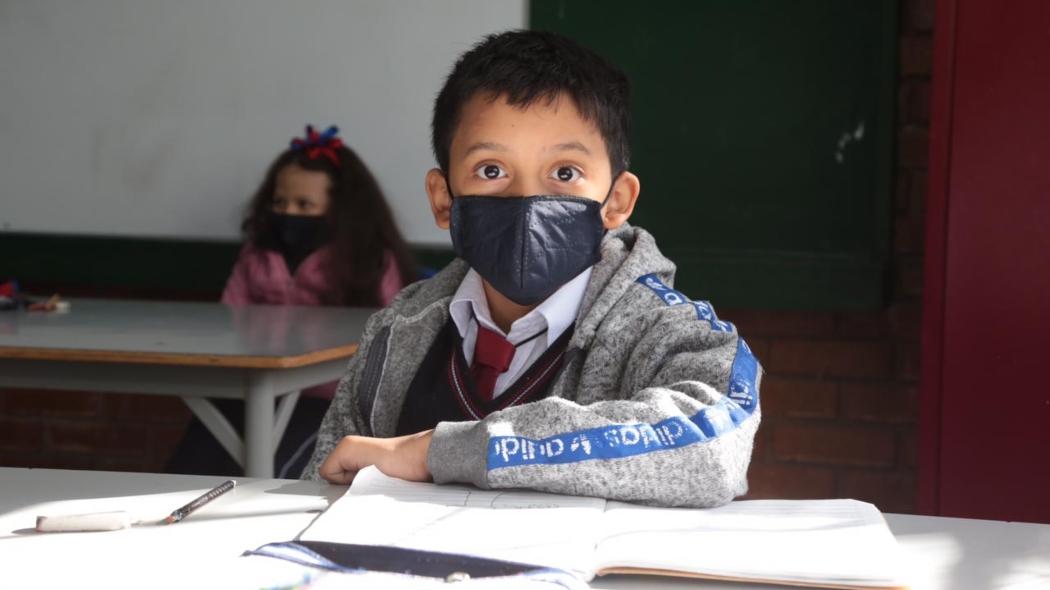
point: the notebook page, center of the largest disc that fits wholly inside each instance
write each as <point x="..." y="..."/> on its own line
<point x="817" y="541"/>
<point x="529" y="527"/>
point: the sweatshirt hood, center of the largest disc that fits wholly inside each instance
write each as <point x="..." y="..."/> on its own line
<point x="628" y="252"/>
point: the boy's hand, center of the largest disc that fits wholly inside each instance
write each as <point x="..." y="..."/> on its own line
<point x="404" y="457"/>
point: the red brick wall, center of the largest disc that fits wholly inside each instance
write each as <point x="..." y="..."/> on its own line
<point x="839" y="396"/>
<point x="79" y="430"/>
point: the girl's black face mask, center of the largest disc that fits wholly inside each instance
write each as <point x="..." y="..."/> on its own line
<point x="527" y="247"/>
<point x="298" y="236"/>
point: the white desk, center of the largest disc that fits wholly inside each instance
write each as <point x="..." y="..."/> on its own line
<point x="258" y="353"/>
<point x="945" y="553"/>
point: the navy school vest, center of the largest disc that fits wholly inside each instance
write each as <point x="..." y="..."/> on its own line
<point x="443" y="389"/>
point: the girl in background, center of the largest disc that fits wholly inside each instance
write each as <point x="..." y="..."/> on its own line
<point x="317" y="232"/>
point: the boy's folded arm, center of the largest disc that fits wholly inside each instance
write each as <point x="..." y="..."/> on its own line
<point x="339" y="421"/>
<point x="347" y="414"/>
<point x="344" y="417"/>
<point x="679" y="443"/>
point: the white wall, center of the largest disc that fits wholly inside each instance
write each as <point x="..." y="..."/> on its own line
<point x="158" y="117"/>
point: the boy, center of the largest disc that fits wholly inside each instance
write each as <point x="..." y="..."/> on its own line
<point x="552" y="354"/>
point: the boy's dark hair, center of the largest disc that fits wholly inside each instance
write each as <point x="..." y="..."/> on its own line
<point x="360" y="223"/>
<point x="527" y="66"/>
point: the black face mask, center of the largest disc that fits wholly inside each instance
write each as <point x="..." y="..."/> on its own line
<point x="297" y="236"/>
<point x="527" y="247"/>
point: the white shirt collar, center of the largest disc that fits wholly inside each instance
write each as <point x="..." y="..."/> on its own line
<point x="555" y="314"/>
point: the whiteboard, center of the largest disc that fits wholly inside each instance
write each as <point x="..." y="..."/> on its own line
<point x="158" y="118"/>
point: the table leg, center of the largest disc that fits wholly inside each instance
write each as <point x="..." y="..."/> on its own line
<point x="285" y="407"/>
<point x="258" y="427"/>
<point x="218" y="425"/>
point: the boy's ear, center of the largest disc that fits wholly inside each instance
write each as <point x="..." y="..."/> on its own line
<point x="440" y="199"/>
<point x="621" y="201"/>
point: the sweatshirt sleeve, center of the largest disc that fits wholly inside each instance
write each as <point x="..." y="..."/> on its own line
<point x="348" y="413"/>
<point x="340" y="420"/>
<point x="236" y="290"/>
<point x="344" y="416"/>
<point x="675" y="428"/>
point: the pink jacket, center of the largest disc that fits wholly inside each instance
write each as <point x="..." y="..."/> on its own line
<point x="261" y="277"/>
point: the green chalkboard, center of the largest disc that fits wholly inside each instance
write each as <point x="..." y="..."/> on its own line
<point x="763" y="135"/>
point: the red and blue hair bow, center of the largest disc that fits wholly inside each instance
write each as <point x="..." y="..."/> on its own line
<point x="319" y="144"/>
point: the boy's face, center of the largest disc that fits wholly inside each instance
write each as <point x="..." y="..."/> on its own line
<point x="545" y="149"/>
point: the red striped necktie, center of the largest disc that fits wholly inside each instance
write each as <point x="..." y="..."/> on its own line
<point x="492" y="356"/>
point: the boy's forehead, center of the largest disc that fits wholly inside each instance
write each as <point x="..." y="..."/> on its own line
<point x="490" y="119"/>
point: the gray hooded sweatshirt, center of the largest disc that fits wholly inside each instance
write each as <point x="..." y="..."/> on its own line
<point x="656" y="400"/>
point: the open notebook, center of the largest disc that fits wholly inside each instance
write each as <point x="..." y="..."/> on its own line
<point x="818" y="543"/>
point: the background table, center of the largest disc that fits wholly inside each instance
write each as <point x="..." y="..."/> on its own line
<point x="944" y="553"/>
<point x="258" y="353"/>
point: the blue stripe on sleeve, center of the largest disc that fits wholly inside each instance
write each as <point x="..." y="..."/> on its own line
<point x="704" y="310"/>
<point x="627" y="440"/>
<point x="669" y="295"/>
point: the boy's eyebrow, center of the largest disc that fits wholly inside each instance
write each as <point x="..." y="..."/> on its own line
<point x="486" y="145"/>
<point x="499" y="147"/>
<point x="572" y="146"/>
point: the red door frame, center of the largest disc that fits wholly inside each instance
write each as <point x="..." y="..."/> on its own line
<point x="984" y="429"/>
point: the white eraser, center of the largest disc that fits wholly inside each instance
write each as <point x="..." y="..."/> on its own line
<point x="96" y="521"/>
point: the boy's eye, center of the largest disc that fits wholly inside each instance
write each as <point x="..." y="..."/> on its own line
<point x="567" y="174"/>
<point x="490" y="172"/>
